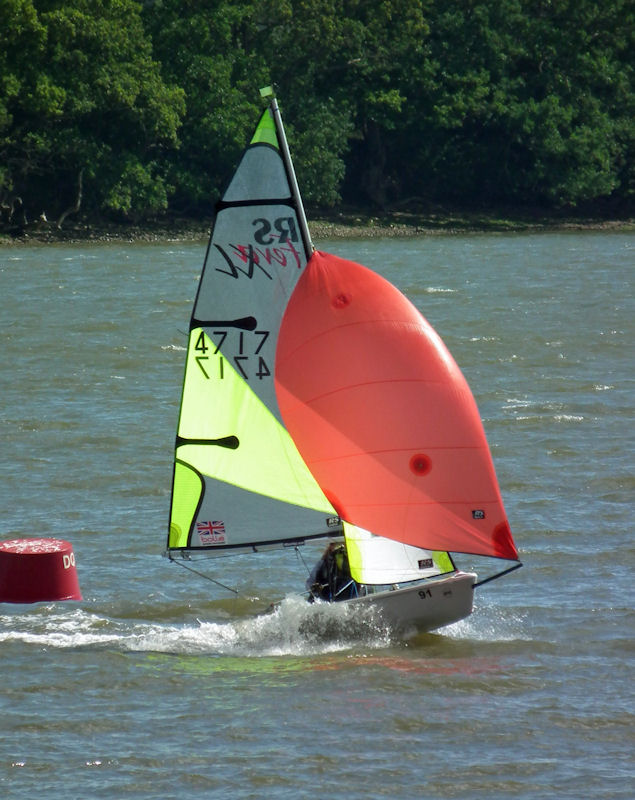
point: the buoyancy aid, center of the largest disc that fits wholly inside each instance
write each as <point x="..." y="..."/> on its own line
<point x="338" y="570"/>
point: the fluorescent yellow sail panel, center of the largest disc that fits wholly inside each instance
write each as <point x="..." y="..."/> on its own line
<point x="442" y="561"/>
<point x="218" y="403"/>
<point x="266" y="131"/>
<point x="185" y="496"/>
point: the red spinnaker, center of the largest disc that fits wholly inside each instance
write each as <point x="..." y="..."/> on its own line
<point x="383" y="416"/>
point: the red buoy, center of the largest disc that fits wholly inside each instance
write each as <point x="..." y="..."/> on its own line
<point x="34" y="570"/>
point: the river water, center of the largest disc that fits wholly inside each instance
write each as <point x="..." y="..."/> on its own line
<point x="160" y="684"/>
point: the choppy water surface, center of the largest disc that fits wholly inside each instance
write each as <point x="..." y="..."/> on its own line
<point x="159" y="684"/>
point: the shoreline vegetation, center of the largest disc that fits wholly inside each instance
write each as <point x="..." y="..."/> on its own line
<point x="434" y="117"/>
<point x="336" y="225"/>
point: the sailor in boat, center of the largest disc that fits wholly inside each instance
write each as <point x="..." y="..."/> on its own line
<point x="330" y="578"/>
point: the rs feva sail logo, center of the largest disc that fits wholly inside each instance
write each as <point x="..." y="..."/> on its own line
<point x="285" y="230"/>
<point x="275" y="248"/>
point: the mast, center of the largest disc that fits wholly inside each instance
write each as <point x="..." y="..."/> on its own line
<point x="288" y="163"/>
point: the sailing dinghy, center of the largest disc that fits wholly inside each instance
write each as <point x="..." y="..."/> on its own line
<point x="316" y="395"/>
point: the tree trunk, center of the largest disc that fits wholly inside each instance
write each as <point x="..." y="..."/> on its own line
<point x="78" y="200"/>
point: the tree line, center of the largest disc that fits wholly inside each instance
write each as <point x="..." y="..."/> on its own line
<point x="129" y="110"/>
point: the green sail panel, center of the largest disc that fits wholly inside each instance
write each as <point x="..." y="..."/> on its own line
<point x="233" y="455"/>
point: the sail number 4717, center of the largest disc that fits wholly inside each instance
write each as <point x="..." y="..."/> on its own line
<point x="242" y="347"/>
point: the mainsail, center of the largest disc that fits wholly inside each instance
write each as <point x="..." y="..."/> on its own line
<point x="312" y="385"/>
<point x="234" y="456"/>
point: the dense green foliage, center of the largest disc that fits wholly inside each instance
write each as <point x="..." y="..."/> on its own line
<point x="131" y="108"/>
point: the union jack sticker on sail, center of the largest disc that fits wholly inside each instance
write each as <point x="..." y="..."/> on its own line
<point x="211" y="532"/>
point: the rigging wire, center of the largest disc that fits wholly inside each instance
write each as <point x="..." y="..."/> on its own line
<point x="301" y="558"/>
<point x="206" y="577"/>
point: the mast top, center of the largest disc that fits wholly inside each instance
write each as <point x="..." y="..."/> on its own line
<point x="269" y="91"/>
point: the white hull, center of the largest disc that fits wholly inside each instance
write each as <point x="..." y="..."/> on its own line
<point x="424" y="606"/>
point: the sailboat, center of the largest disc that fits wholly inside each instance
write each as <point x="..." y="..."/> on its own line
<point x="317" y="396"/>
